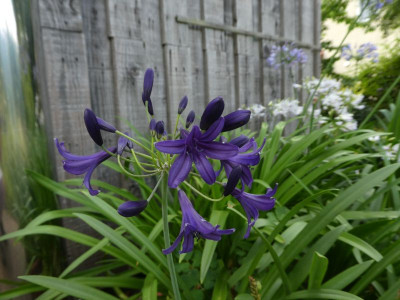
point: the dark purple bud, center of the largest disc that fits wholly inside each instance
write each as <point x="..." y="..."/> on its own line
<point x="240" y="140"/>
<point x="233" y="180"/>
<point x="147" y="84"/>
<point x="152" y="126"/>
<point x="190" y="119"/>
<point x="122" y="143"/>
<point x="236" y="119"/>
<point x="212" y="113"/>
<point x="150" y="107"/>
<point x="93" y="126"/>
<point x="132" y="208"/>
<point x="182" y="105"/>
<point x="160" y="129"/>
<point x="105" y="126"/>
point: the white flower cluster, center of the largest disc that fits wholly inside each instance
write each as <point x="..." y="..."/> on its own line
<point x="389" y="150"/>
<point x="257" y="111"/>
<point x="288" y="108"/>
<point x="337" y="104"/>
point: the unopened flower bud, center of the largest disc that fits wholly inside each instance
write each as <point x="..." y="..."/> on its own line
<point x="182" y="105"/>
<point x="160" y="129"/>
<point x="233" y="180"/>
<point x="190" y="119"/>
<point x="147" y="85"/>
<point x="132" y="208"/>
<point x="236" y="119"/>
<point x="212" y="113"/>
<point x="92" y="126"/>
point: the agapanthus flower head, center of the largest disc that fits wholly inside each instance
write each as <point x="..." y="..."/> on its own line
<point x="190" y="119"/>
<point x="253" y="203"/>
<point x="194" y="225"/>
<point x="236" y="119"/>
<point x="379" y="4"/>
<point x="94" y="125"/>
<point x="288" y="108"/>
<point x="346" y="52"/>
<point x="132" y="208"/>
<point x="182" y="105"/>
<point x="123" y="142"/>
<point x="78" y="165"/>
<point x="195" y="147"/>
<point x="365" y="51"/>
<point x="212" y="113"/>
<point x="286" y="55"/>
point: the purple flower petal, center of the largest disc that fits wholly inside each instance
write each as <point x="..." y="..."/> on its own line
<point x="239" y="141"/>
<point x="218" y="150"/>
<point x="213" y="131"/>
<point x="171" y="147"/>
<point x="179" y="170"/>
<point x="204" y="167"/>
<point x="190" y="119"/>
<point x="147" y="84"/>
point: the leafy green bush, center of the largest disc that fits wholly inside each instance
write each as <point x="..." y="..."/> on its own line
<point x="332" y="234"/>
<point x="375" y="78"/>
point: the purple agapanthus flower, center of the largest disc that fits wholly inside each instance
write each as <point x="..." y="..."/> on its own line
<point x="365" y="51"/>
<point x="253" y="203"/>
<point x="194" y="225"/>
<point x="196" y="147"/>
<point x="132" y="208"/>
<point x="79" y="164"/>
<point x="243" y="158"/>
<point x="286" y="55"/>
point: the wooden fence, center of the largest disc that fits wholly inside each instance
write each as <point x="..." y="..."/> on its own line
<point x="93" y="53"/>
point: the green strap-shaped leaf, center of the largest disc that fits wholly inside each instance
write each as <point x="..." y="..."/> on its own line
<point x="346" y="277"/>
<point x="318" y="269"/>
<point x="323" y="294"/>
<point x="149" y="291"/>
<point x="127" y="247"/>
<point x="69" y="287"/>
<point x="217" y="217"/>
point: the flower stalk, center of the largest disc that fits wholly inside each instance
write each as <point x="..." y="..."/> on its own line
<point x="167" y="242"/>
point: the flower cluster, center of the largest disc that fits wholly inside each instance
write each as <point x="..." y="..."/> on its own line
<point x="380" y="3"/>
<point x="286" y="55"/>
<point x="196" y="145"/>
<point x="365" y="51"/>
<point x="288" y="108"/>
<point x="337" y="103"/>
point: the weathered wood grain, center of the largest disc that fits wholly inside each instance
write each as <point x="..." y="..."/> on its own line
<point x="63" y="14"/>
<point x="270" y="25"/>
<point x="246" y="75"/>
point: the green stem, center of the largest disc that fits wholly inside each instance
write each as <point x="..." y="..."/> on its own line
<point x="201" y="194"/>
<point x="133" y="140"/>
<point x="167" y="243"/>
<point x="131" y="174"/>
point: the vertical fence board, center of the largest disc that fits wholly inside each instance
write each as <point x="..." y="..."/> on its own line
<point x="270" y="25"/>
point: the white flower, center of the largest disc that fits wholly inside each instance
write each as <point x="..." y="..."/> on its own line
<point x="391" y="151"/>
<point x="257" y="110"/>
<point x="375" y="138"/>
<point x="297" y="86"/>
<point x="332" y="100"/>
<point x="287" y="108"/>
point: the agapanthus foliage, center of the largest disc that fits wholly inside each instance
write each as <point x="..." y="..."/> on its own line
<point x="286" y="55"/>
<point x="178" y="155"/>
